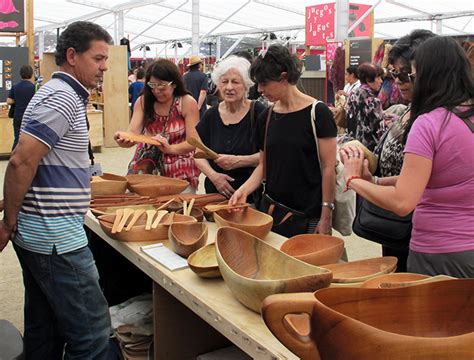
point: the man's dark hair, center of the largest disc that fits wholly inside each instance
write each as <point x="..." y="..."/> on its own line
<point x="140" y="73"/>
<point x="26" y="72"/>
<point x="195" y="66"/>
<point x="404" y="48"/>
<point x="79" y="36"/>
<point x="352" y="69"/>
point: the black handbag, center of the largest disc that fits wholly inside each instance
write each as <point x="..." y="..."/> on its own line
<point x="11" y="111"/>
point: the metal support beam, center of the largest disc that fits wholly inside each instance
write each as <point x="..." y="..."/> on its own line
<point x="439" y="27"/>
<point x="195" y="27"/>
<point x="233" y="46"/>
<point x="428" y="17"/>
<point x="227" y="18"/>
<point x="367" y="13"/>
<point x="279" y="6"/>
<point x="218" y="48"/>
<point x="120" y="7"/>
<point x="118" y="26"/>
<point x="342" y="20"/>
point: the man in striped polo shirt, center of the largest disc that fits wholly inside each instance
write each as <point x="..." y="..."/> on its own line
<point x="46" y="194"/>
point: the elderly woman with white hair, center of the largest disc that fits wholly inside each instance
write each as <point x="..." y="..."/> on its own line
<point x="228" y="129"/>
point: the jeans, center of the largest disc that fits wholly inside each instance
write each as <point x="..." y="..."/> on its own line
<point x="65" y="310"/>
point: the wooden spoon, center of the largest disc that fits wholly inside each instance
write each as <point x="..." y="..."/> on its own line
<point x="118" y="218"/>
<point x="150" y="214"/>
<point x="169" y="219"/>
<point x="138" y="138"/>
<point x="166" y="204"/>
<point x="159" y="216"/>
<point x="203" y="155"/>
<point x="210" y="153"/>
<point x="217" y="207"/>
<point x="136" y="216"/>
<point x="185" y="207"/>
<point x="127" y="212"/>
<point x="190" y="207"/>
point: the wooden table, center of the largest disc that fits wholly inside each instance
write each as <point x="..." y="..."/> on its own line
<point x="180" y="295"/>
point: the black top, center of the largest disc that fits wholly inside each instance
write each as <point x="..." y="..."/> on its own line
<point x="233" y="139"/>
<point x="195" y="81"/>
<point x="22" y="94"/>
<point x="293" y="175"/>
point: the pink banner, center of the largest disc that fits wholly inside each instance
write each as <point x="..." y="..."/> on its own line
<point x="319" y="24"/>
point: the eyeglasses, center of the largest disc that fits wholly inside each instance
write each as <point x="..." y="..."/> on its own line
<point x="159" y="85"/>
<point x="403" y="76"/>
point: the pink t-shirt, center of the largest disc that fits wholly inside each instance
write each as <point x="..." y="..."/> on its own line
<point x="443" y="221"/>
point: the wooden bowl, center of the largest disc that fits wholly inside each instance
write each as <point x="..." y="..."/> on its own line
<point x="314" y="249"/>
<point x="376" y="282"/>
<point x="362" y="270"/>
<point x="159" y="186"/>
<point x="430" y="321"/>
<point x="204" y="262"/>
<point x="138" y="232"/>
<point x="369" y="155"/>
<point x="250" y="220"/>
<point x="195" y="213"/>
<point x="187" y="238"/>
<point x="252" y="269"/>
<point x="108" y="184"/>
<point x="135" y="179"/>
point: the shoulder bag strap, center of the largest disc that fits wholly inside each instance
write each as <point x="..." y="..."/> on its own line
<point x="252" y="114"/>
<point x="269" y="115"/>
<point x="313" y="125"/>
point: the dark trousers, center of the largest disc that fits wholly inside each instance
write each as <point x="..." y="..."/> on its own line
<point x="16" y="131"/>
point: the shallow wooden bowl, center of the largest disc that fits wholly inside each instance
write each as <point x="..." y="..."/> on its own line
<point x="159" y="186"/>
<point x="430" y="321"/>
<point x="187" y="238"/>
<point x="252" y="269"/>
<point x="250" y="220"/>
<point x="376" y="282"/>
<point x="314" y="249"/>
<point x="195" y="213"/>
<point x="135" y="179"/>
<point x="108" y="184"/>
<point x="204" y="262"/>
<point x="112" y="209"/>
<point x="362" y="270"/>
<point x="138" y="232"/>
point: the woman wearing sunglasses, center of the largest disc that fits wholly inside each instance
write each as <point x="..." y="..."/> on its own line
<point x="437" y="175"/>
<point x="167" y="112"/>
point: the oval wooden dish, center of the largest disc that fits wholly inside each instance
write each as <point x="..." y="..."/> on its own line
<point x="429" y="321"/>
<point x="250" y="220"/>
<point x="314" y="249"/>
<point x="195" y="213"/>
<point x="252" y="269"/>
<point x="204" y="262"/>
<point x="186" y="238"/>
<point x="138" y="231"/>
<point x="134" y="179"/>
<point x="108" y="184"/>
<point x="158" y="186"/>
<point x="356" y="272"/>
<point x="397" y="280"/>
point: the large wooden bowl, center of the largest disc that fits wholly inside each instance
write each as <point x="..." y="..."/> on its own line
<point x="159" y="186"/>
<point x="430" y="321"/>
<point x="376" y="282"/>
<point x="108" y="184"/>
<point x="186" y="238"/>
<point x="135" y="179"/>
<point x="252" y="269"/>
<point x="362" y="270"/>
<point x="314" y="249"/>
<point x="138" y="231"/>
<point x="250" y="220"/>
<point x="195" y="213"/>
<point x="204" y="262"/>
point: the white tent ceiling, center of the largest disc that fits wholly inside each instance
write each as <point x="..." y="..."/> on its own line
<point x="161" y="22"/>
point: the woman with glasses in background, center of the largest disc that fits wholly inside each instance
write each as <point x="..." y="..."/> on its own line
<point x="167" y="112"/>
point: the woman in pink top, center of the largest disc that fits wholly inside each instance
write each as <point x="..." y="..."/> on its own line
<point x="437" y="177"/>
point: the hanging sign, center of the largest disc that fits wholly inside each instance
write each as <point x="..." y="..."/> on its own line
<point x="12" y="16"/>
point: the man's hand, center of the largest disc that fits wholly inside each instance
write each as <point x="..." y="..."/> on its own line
<point x="6" y="233"/>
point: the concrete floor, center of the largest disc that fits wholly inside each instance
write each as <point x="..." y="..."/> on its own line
<point x="113" y="160"/>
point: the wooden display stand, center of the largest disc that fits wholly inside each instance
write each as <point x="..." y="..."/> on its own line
<point x="6" y="135"/>
<point x="96" y="130"/>
<point x="47" y="66"/>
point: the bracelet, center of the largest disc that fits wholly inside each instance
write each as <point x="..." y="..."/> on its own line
<point x="329" y="205"/>
<point x="348" y="182"/>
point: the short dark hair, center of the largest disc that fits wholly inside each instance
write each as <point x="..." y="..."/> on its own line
<point x="26" y="72"/>
<point x="352" y="69"/>
<point x="167" y="71"/>
<point x="368" y="72"/>
<point x="404" y="48"/>
<point x="79" y="36"/>
<point x="140" y="73"/>
<point x="271" y="63"/>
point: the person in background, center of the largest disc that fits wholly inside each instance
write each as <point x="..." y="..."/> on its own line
<point x="47" y="194"/>
<point x="228" y="129"/>
<point x="352" y="81"/>
<point x="20" y="96"/>
<point x="133" y="76"/>
<point x="289" y="160"/>
<point x="196" y="83"/>
<point x="364" y="114"/>
<point x="135" y="89"/>
<point x="167" y="112"/>
<point x="437" y="175"/>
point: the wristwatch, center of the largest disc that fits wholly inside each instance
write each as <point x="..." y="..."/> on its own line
<point x="329" y="205"/>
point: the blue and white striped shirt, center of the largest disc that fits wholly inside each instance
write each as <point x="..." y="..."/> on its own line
<point x="52" y="214"/>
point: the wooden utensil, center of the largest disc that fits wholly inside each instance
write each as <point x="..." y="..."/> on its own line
<point x="190" y="207"/>
<point x="159" y="216"/>
<point x="135" y="217"/>
<point x="138" y="138"/>
<point x="150" y="214"/>
<point x="165" y="204"/>
<point x="217" y="207"/>
<point x="212" y="155"/>
<point x="118" y="218"/>
<point x="127" y="212"/>
<point x="169" y="220"/>
<point x="185" y="207"/>
<point x="202" y="155"/>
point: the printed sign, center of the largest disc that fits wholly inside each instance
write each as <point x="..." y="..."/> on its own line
<point x="360" y="51"/>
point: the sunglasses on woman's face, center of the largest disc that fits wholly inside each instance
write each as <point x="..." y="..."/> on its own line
<point x="158" y="85"/>
<point x="403" y="76"/>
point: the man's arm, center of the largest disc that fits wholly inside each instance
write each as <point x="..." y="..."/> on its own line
<point x="202" y="98"/>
